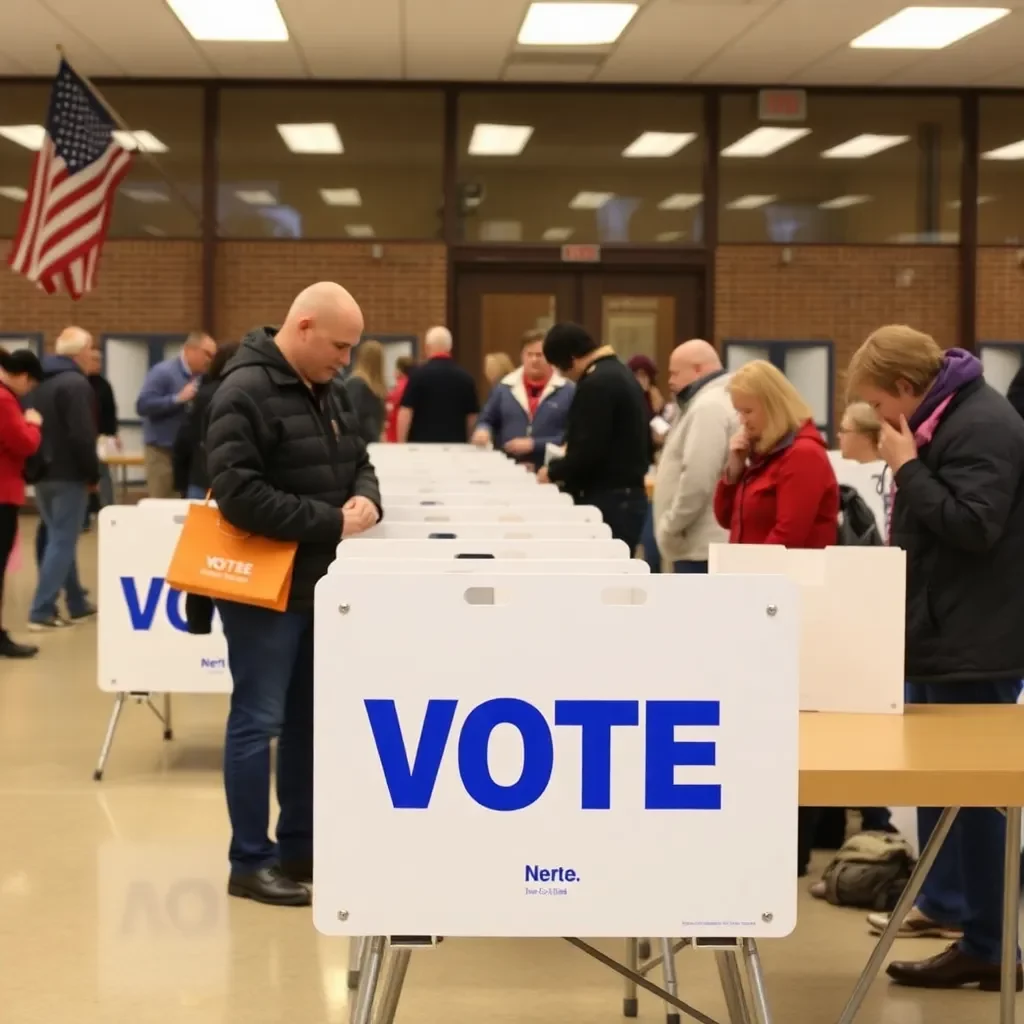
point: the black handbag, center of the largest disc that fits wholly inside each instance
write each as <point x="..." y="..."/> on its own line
<point x="36" y="467"/>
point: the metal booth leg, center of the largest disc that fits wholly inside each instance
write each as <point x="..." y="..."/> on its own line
<point x="755" y="977"/>
<point x="732" y="987"/>
<point x="108" y="739"/>
<point x="168" y="731"/>
<point x="398" y="966"/>
<point x="369" y="975"/>
<point x="668" y="972"/>
<point x="630" y="1006"/>
<point x="355" y="953"/>
<point x="1011" y="910"/>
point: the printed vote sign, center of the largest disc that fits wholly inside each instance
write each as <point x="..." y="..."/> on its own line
<point x="596" y="787"/>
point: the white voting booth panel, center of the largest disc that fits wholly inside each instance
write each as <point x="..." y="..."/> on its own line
<point x="869" y="479"/>
<point x="480" y="499"/>
<point x="143" y="640"/>
<point x="515" y="566"/>
<point x="852" y="629"/>
<point x="493" y="547"/>
<point x="427" y="450"/>
<point x="511" y="486"/>
<point x="482" y="531"/>
<point x="497" y="514"/>
<point x="599" y="796"/>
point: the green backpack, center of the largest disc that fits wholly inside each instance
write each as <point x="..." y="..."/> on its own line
<point x="869" y="871"/>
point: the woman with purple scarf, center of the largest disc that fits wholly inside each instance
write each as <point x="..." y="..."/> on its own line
<point x="956" y="451"/>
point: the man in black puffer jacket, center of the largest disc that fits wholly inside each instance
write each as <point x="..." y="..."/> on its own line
<point x="285" y="461"/>
<point x="956" y="450"/>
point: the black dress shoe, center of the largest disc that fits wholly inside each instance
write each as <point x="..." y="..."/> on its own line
<point x="269" y="885"/>
<point x="10" y="649"/>
<point x="300" y="871"/>
<point x="951" y="969"/>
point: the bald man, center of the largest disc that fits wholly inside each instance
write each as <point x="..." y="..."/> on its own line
<point x="693" y="457"/>
<point x="285" y="461"/>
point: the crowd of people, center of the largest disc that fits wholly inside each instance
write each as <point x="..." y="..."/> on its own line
<point x="273" y="430"/>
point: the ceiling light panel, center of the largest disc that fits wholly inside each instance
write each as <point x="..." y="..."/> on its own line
<point x="750" y="202"/>
<point x="321" y="137"/>
<point x="1011" y="151"/>
<point x="681" y="201"/>
<point x="257" y="197"/>
<point x="341" y="196"/>
<point x="15" y="192"/>
<point x="860" y="147"/>
<point x="359" y="231"/>
<point x="590" y="200"/>
<point x="575" y="24"/>
<point x="764" y="141"/>
<point x="670" y="236"/>
<point x="843" y="202"/>
<point x="146" y="195"/>
<point x="499" y="139"/>
<point x="28" y="135"/>
<point x="557" y="234"/>
<point x="658" y="144"/>
<point x="927" y="28"/>
<point x="143" y="140"/>
<point x="233" y="21"/>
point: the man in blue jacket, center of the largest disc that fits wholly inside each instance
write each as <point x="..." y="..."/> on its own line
<point x="527" y="410"/>
<point x="168" y="388"/>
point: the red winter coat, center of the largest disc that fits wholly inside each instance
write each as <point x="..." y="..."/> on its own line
<point x="392" y="405"/>
<point x="788" y="497"/>
<point x="18" y="440"/>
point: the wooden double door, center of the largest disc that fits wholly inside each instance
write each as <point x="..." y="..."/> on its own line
<point x="638" y="312"/>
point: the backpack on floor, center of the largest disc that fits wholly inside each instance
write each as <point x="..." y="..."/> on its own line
<point x="857" y="523"/>
<point x="870" y="871"/>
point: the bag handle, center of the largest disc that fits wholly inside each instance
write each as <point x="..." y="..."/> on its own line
<point x="231" y="531"/>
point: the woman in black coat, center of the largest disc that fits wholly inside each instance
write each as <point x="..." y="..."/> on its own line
<point x="367" y="390"/>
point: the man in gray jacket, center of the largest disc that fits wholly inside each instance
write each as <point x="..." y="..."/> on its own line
<point x="693" y="456"/>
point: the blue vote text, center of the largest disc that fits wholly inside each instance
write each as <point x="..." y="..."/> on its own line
<point x="143" y="607"/>
<point x="411" y="784"/>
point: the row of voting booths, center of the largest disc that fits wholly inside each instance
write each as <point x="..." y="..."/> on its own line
<point x="510" y="705"/>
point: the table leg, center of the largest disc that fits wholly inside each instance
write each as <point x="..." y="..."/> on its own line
<point x="1011" y="911"/>
<point x="906" y="901"/>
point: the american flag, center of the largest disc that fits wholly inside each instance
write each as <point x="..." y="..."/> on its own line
<point x="74" y="181"/>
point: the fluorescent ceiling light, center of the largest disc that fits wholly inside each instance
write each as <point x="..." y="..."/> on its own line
<point x="146" y="195"/>
<point x="145" y="141"/>
<point x="28" y="135"/>
<point x="575" y="24"/>
<point x="254" y="21"/>
<point x="341" y="196"/>
<point x="256" y="196"/>
<point x="1011" y="151"/>
<point x="14" y="192"/>
<point x="359" y="231"/>
<point x="557" y="234"/>
<point x="843" y="202"/>
<point x="155" y="232"/>
<point x="590" y="200"/>
<point x="311" y="138"/>
<point x="927" y="28"/>
<point x="655" y="144"/>
<point x="670" y="236"/>
<point x="955" y="203"/>
<point x="499" y="139"/>
<point x="751" y="202"/>
<point x="862" y="146"/>
<point x="681" y="201"/>
<point x="764" y="141"/>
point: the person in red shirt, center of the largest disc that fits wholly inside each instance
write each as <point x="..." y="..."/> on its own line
<point x="403" y="367"/>
<point x="779" y="486"/>
<point x="20" y="438"/>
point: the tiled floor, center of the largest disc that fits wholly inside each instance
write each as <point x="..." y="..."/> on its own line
<point x="113" y="910"/>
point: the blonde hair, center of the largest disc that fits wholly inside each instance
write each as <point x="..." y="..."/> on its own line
<point x="864" y="420"/>
<point x="370" y="367"/>
<point x="497" y="365"/>
<point x="894" y="353"/>
<point x="785" y="411"/>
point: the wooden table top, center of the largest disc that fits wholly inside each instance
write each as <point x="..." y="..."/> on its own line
<point x="934" y="756"/>
<point x="124" y="459"/>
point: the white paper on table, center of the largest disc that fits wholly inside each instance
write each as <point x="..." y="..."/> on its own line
<point x="552" y="452"/>
<point x="660" y="426"/>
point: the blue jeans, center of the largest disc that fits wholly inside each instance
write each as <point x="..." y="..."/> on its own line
<point x="690" y="567"/>
<point x="194" y="492"/>
<point x="649" y="543"/>
<point x="965" y="884"/>
<point x="62" y="506"/>
<point x="270" y="655"/>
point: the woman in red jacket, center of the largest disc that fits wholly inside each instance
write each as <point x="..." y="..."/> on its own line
<point x="404" y="366"/>
<point x="20" y="437"/>
<point x="779" y="486"/>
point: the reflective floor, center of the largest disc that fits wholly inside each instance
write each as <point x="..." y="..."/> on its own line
<point x="113" y="909"/>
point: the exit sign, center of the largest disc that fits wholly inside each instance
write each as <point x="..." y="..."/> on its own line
<point x="782" y="105"/>
<point x="581" y="254"/>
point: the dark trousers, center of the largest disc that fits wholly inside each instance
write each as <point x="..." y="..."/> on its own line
<point x="965" y="884"/>
<point x="691" y="568"/>
<point x="623" y="510"/>
<point x="649" y="543"/>
<point x="8" y="533"/>
<point x="270" y="655"/>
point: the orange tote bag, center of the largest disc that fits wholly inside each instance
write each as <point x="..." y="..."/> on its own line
<point x="214" y="559"/>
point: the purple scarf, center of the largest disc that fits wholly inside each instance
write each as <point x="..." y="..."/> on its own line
<point x="959" y="367"/>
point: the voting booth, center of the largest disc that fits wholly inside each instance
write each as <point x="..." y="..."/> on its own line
<point x="494" y="530"/>
<point x="494" y="513"/>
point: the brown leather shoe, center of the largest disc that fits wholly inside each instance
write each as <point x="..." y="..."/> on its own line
<point x="951" y="969"/>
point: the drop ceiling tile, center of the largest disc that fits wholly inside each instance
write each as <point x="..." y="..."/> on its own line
<point x="538" y="72"/>
<point x="38" y="30"/>
<point x="347" y="38"/>
<point x="460" y="39"/>
<point x="255" y="60"/>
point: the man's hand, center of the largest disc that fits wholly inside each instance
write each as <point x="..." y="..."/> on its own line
<point x="519" y="446"/>
<point x="481" y="438"/>
<point x="187" y="393"/>
<point x="358" y="515"/>
<point x="897" y="447"/>
<point x="33" y="417"/>
<point x="543" y="477"/>
<point x="117" y="443"/>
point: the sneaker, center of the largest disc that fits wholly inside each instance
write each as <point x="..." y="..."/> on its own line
<point x="89" y="612"/>
<point x="916" y="926"/>
<point x="50" y="625"/>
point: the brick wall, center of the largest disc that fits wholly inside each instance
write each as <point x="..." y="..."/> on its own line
<point x="1000" y="295"/>
<point x="143" y="286"/>
<point x="834" y="293"/>
<point x="402" y="292"/>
